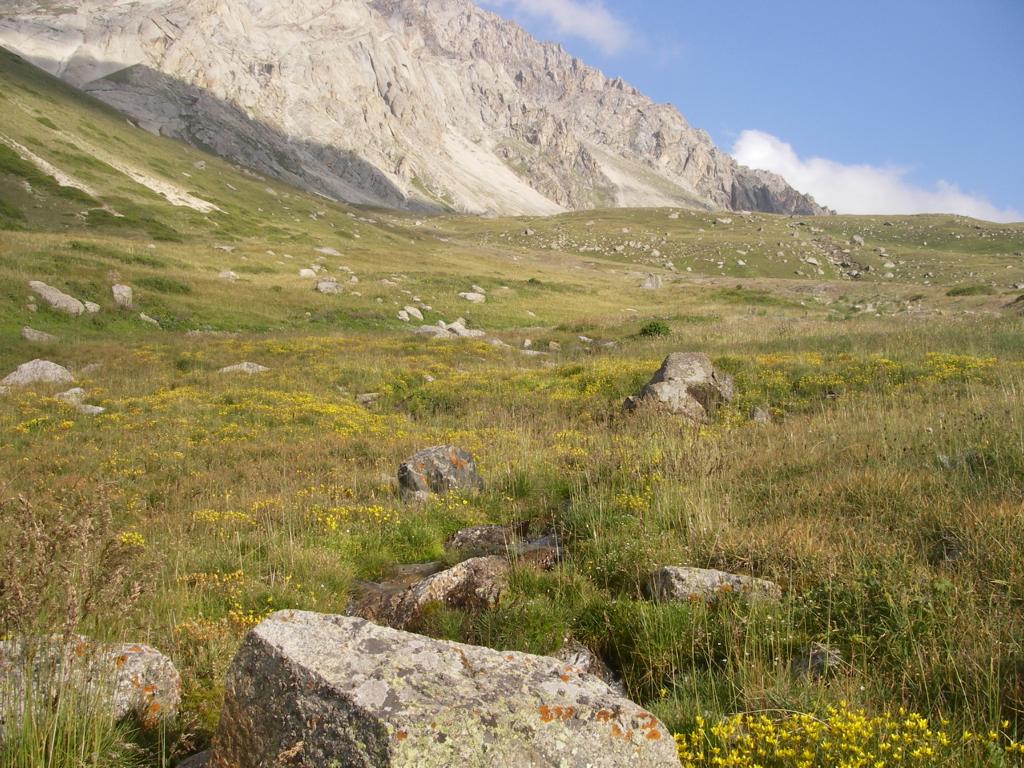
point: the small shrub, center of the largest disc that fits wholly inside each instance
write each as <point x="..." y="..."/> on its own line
<point x="655" y="329"/>
<point x="971" y="290"/>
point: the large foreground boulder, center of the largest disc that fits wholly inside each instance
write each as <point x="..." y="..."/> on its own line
<point x="133" y="680"/>
<point x="441" y="469"/>
<point x="681" y="583"/>
<point x="308" y="691"/>
<point x="686" y="385"/>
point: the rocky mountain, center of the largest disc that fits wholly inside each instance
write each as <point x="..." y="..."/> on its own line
<point x="417" y="104"/>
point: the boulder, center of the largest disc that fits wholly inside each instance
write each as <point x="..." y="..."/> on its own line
<point x="687" y="385"/>
<point x="328" y="286"/>
<point x="38" y="372"/>
<point x="247" y="368"/>
<point x="123" y="296"/>
<point x="473" y="297"/>
<point x="91" y="307"/>
<point x="57" y="299"/>
<point x="441" y="469"/>
<point x="679" y="583"/>
<point x="413" y="312"/>
<point x="39" y="337"/>
<point x="472" y="585"/>
<point x="307" y="690"/>
<point x="134" y="680"/>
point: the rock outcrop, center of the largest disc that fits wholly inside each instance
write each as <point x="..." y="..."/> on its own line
<point x="309" y="690"/>
<point x="419" y="104"/>
<point x="687" y="385"/>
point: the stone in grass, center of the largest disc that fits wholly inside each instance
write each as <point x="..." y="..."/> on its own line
<point x="57" y="299"/>
<point x="441" y="469"/>
<point x="817" y="661"/>
<point x="309" y="690"/>
<point x="38" y="372"/>
<point x="473" y="297"/>
<point x="133" y="680"/>
<point x="687" y="385"/>
<point x="39" y="337"/>
<point x="76" y="399"/>
<point x="672" y="583"/>
<point x="123" y="295"/>
<point x="328" y="286"/>
<point x="246" y="368"/>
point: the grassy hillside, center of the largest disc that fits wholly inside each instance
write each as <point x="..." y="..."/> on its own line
<point x="886" y="498"/>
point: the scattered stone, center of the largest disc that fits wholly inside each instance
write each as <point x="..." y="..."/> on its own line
<point x="76" y="399"/>
<point x="723" y="221"/>
<point x="687" y="385"/>
<point x="225" y="248"/>
<point x="680" y="583"/>
<point x="57" y="299"/>
<point x="652" y="283"/>
<point x="434" y="330"/>
<point x="247" y="368"/>
<point x="368" y="398"/>
<point x="473" y="297"/>
<point x="123" y="296"/>
<point x="414" y="312"/>
<point x="227" y="274"/>
<point x="328" y="251"/>
<point x="554" y="346"/>
<point x="39" y="337"/>
<point x="91" y="307"/>
<point x="858" y="240"/>
<point x="441" y="469"/>
<point x="147" y="319"/>
<point x="38" y="372"/>
<point x="760" y="415"/>
<point x="328" y="286"/>
<point x="307" y="273"/>
<point x="135" y="680"/>
<point x="403" y="316"/>
<point x="331" y="690"/>
<point x="817" y="662"/>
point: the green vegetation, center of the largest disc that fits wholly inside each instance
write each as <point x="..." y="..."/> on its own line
<point x="885" y="498"/>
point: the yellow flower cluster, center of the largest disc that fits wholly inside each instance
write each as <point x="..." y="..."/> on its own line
<point x="132" y="539"/>
<point x="844" y="738"/>
<point x="964" y="367"/>
<point x="226" y="517"/>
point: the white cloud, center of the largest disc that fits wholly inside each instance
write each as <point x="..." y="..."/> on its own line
<point x="585" y="19"/>
<point x="861" y="189"/>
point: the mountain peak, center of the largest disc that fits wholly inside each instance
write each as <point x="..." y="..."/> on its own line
<point x="422" y="104"/>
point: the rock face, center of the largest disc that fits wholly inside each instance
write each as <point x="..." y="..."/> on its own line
<point x="687" y="385"/>
<point x="38" y="372"/>
<point x="441" y="469"/>
<point x="400" y="103"/>
<point x="672" y="582"/>
<point x="57" y="299"/>
<point x="307" y="691"/>
<point x="135" y="680"/>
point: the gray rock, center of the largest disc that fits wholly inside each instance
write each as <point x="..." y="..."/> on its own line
<point x="247" y="368"/>
<point x="123" y="295"/>
<point x="308" y="273"/>
<point x="579" y="656"/>
<point x="57" y="299"/>
<point x="368" y="398"/>
<point x="38" y="372"/>
<point x="39" y="337"/>
<point x="76" y="399"/>
<point x="441" y="469"/>
<point x="686" y="385"/>
<point x="473" y="297"/>
<point x="147" y="319"/>
<point x="481" y="540"/>
<point x="473" y="585"/>
<point x="326" y="251"/>
<point x="857" y="240"/>
<point x="91" y="307"/>
<point x="652" y="283"/>
<point x="761" y="415"/>
<point x="726" y="222"/>
<point x="414" y="312"/>
<point x="681" y="583"/>
<point x="817" y="661"/>
<point x="134" y="680"/>
<point x="230" y="276"/>
<point x="309" y="691"/>
<point x="328" y="286"/>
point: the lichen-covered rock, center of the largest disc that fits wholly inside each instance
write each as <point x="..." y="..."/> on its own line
<point x="57" y="299"/>
<point x="480" y="540"/>
<point x="577" y="655"/>
<point x="441" y="469"/>
<point x="307" y="691"/>
<point x="247" y="368"/>
<point x="135" y="680"/>
<point x="38" y="372"/>
<point x="687" y="385"/>
<point x="680" y="583"/>
<point x="472" y="585"/>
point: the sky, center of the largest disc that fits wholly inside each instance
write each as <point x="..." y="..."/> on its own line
<point x="872" y="106"/>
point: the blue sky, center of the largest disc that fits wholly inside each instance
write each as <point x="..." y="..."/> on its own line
<point x="874" y="106"/>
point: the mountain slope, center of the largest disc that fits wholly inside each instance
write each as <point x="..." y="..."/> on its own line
<point x="420" y="104"/>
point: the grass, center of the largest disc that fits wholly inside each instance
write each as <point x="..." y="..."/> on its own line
<point x="885" y="497"/>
